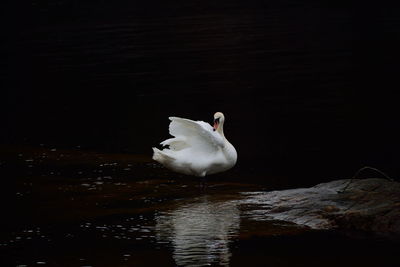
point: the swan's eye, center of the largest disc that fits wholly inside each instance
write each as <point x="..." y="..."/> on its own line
<point x="216" y="120"/>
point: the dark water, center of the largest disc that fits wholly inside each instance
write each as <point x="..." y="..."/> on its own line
<point x="75" y="208"/>
<point x="307" y="87"/>
<point x="302" y="83"/>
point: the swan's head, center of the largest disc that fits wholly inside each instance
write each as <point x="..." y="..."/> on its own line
<point x="219" y="119"/>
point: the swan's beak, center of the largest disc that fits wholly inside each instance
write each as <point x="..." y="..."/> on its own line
<point x="216" y="123"/>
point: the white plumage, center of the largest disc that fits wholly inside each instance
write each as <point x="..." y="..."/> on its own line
<point x="197" y="148"/>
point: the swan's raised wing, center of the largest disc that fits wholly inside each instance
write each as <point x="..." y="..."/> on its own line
<point x="198" y="134"/>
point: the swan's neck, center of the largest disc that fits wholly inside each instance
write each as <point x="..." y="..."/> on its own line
<point x="220" y="129"/>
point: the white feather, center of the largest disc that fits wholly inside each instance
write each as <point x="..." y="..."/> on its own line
<point x="196" y="148"/>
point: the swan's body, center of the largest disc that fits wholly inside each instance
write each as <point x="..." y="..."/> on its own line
<point x="197" y="148"/>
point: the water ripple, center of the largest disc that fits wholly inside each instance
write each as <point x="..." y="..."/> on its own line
<point x="200" y="232"/>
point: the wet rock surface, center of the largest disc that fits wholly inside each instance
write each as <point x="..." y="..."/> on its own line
<point x="370" y="205"/>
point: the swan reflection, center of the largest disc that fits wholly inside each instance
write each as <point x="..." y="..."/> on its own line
<point x="200" y="232"/>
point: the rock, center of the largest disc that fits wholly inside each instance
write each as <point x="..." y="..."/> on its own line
<point x="368" y="205"/>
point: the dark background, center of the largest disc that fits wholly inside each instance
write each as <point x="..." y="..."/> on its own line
<point x="307" y="87"/>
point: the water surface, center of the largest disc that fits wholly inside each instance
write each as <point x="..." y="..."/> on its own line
<point x="79" y="208"/>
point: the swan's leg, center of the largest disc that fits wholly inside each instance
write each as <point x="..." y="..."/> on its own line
<point x="203" y="183"/>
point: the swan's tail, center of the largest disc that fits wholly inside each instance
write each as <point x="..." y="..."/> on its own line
<point x="161" y="157"/>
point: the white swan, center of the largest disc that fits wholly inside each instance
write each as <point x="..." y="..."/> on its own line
<point x="197" y="148"/>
